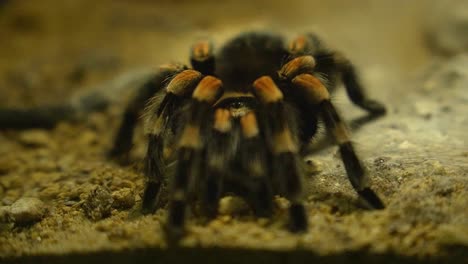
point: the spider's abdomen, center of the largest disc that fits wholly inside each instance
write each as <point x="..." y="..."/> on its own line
<point x="248" y="56"/>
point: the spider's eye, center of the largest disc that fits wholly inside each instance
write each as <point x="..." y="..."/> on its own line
<point x="237" y="105"/>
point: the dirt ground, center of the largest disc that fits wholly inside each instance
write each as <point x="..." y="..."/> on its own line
<point x="63" y="201"/>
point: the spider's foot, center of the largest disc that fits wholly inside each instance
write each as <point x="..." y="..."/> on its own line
<point x="175" y="226"/>
<point x="173" y="234"/>
<point x="149" y="197"/>
<point x="374" y="107"/>
<point x="298" y="218"/>
<point x="371" y="198"/>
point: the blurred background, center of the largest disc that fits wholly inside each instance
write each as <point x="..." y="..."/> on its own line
<point x="49" y="48"/>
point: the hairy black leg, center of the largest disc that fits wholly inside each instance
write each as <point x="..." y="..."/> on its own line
<point x="191" y="145"/>
<point x="330" y="62"/>
<point x="254" y="159"/>
<point x="202" y="57"/>
<point x="154" y="165"/>
<point x="159" y="121"/>
<point x="354" y="87"/>
<point x="218" y="157"/>
<point x="317" y="95"/>
<point x="286" y="170"/>
<point x="356" y="172"/>
<point x="124" y="137"/>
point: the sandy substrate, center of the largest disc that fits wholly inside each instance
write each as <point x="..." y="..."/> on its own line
<point x="61" y="200"/>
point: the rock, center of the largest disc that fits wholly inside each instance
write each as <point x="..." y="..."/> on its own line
<point x="27" y="210"/>
<point x="231" y="205"/>
<point x="313" y="166"/>
<point x="123" y="198"/>
<point x="34" y="138"/>
<point x="98" y="204"/>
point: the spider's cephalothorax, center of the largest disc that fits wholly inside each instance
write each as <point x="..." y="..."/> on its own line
<point x="236" y="122"/>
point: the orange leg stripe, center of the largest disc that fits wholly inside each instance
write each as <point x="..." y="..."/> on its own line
<point x="249" y="125"/>
<point x="191" y="137"/>
<point x="298" y="65"/>
<point x="266" y="89"/>
<point x="313" y="88"/>
<point x="208" y="90"/>
<point x="283" y="142"/>
<point x="201" y="50"/>
<point x="298" y="44"/>
<point x="183" y="82"/>
<point x="222" y="120"/>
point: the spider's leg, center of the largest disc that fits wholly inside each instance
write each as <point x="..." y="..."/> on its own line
<point x="308" y="43"/>
<point x="354" y="88"/>
<point x="330" y="61"/>
<point x="159" y="120"/>
<point x="253" y="161"/>
<point x="219" y="154"/>
<point x="316" y="94"/>
<point x="190" y="149"/>
<point x="124" y="137"/>
<point x="286" y="170"/>
<point x="202" y="57"/>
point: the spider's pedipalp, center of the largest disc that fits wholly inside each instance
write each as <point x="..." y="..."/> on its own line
<point x="254" y="163"/>
<point x="217" y="160"/>
<point x="222" y="120"/>
<point x="302" y="64"/>
<point x="286" y="170"/>
<point x="316" y="94"/>
<point x="249" y="125"/>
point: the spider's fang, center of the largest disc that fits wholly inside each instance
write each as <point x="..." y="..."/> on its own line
<point x="249" y="125"/>
<point x="313" y="89"/>
<point x="222" y="120"/>
<point x="297" y="66"/>
<point x="183" y="82"/>
<point x="266" y="90"/>
<point x="208" y="90"/>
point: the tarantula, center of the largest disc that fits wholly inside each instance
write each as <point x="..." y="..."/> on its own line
<point x="236" y="123"/>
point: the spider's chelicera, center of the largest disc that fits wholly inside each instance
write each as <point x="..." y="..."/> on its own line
<point x="236" y="123"/>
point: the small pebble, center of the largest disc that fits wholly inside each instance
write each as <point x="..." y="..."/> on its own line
<point x="123" y="198"/>
<point x="34" y="138"/>
<point x="98" y="204"/>
<point x="231" y="205"/>
<point x="313" y="166"/>
<point x="27" y="210"/>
